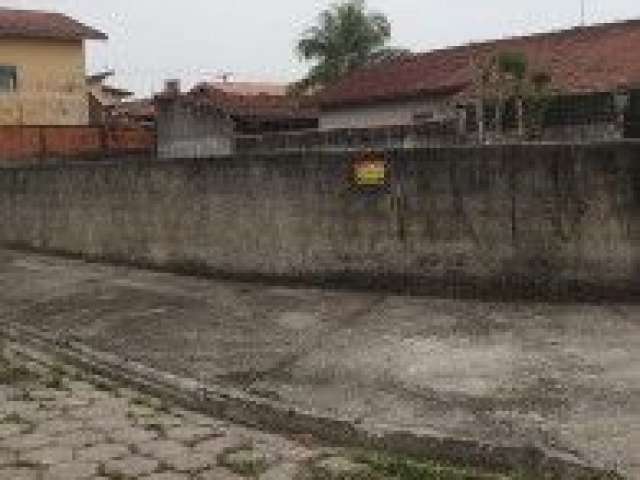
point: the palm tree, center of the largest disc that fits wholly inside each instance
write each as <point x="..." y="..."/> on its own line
<point x="346" y="37"/>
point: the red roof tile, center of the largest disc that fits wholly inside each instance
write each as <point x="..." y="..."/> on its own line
<point x="37" y="24"/>
<point x="137" y="108"/>
<point x="260" y="105"/>
<point x="251" y="88"/>
<point x="584" y="59"/>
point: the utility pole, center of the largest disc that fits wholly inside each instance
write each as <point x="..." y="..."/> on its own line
<point x="582" y="14"/>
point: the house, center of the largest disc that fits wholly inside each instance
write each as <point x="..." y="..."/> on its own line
<point x="139" y="112"/>
<point x="42" y="68"/>
<point x="104" y="99"/>
<point x="209" y="119"/>
<point x="593" y="76"/>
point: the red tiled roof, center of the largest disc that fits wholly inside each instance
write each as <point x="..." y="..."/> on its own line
<point x="260" y="105"/>
<point x="37" y="24"/>
<point x="596" y="58"/>
<point x="137" y="108"/>
<point x="118" y="92"/>
<point x="251" y="88"/>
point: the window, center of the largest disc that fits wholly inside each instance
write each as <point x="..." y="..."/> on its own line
<point x="423" y="117"/>
<point x="8" y="78"/>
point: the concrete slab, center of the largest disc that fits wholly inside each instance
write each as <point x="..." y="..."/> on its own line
<point x="565" y="376"/>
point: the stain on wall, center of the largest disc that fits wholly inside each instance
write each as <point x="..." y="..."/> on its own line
<point x="543" y="219"/>
<point x="51" y="86"/>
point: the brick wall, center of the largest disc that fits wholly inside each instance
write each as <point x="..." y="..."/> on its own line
<point x="20" y="144"/>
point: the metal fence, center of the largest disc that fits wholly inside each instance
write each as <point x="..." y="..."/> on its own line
<point x="404" y="136"/>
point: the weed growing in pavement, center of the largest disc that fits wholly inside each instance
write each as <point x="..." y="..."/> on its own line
<point x="138" y="401"/>
<point x="12" y="374"/>
<point x="55" y="380"/>
<point x="164" y="407"/>
<point x="102" y="473"/>
<point x="25" y="395"/>
<point x="14" y="418"/>
<point x="103" y="385"/>
<point x="163" y="467"/>
<point x="157" y="428"/>
<point x="58" y="369"/>
<point x="251" y="466"/>
<point x="399" y="467"/>
<point x="20" y="463"/>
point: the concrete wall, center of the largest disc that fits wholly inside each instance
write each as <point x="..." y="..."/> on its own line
<point x="51" y="83"/>
<point x="383" y="114"/>
<point x="189" y="130"/>
<point x="598" y="131"/>
<point x="537" y="218"/>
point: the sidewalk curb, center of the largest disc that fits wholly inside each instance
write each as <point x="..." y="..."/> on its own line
<point x="237" y="406"/>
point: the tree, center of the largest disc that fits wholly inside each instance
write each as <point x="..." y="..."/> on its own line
<point x="513" y="68"/>
<point x="347" y="36"/>
<point x="538" y="99"/>
<point x="507" y="76"/>
<point x="389" y="53"/>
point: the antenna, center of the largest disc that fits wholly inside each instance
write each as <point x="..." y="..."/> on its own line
<point x="582" y="13"/>
<point x="225" y="76"/>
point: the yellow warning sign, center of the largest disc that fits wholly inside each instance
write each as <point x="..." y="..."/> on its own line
<point x="370" y="169"/>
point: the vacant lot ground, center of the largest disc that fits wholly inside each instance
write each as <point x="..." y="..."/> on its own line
<point x="561" y="376"/>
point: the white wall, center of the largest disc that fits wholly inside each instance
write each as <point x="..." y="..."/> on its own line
<point x="382" y="114"/>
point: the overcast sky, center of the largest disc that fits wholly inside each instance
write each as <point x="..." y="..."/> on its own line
<point x="151" y="40"/>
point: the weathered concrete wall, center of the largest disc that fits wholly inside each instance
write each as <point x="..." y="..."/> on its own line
<point x="545" y="217"/>
<point x="189" y="130"/>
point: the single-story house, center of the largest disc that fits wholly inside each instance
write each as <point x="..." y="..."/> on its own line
<point x="208" y="119"/>
<point x="592" y="75"/>
<point x="139" y="112"/>
<point x="42" y="68"/>
<point x="104" y="98"/>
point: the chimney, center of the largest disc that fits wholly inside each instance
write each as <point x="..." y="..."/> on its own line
<point x="172" y="87"/>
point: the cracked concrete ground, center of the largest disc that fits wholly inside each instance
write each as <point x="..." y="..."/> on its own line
<point x="565" y="376"/>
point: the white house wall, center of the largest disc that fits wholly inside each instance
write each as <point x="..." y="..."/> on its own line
<point x="382" y="114"/>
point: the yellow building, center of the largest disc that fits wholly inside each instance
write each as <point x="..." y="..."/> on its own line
<point x="42" y="68"/>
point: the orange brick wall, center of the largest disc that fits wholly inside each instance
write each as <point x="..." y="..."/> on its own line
<point x="32" y="143"/>
<point x="19" y="142"/>
<point x="69" y="142"/>
<point x="130" y="139"/>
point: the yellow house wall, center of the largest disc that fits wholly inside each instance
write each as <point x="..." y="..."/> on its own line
<point x="51" y="83"/>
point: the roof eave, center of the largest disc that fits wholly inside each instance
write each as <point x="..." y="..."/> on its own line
<point x="399" y="97"/>
<point x="97" y="35"/>
<point x="69" y="38"/>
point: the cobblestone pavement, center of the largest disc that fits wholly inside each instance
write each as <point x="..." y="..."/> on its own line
<point x="57" y="423"/>
<point x="60" y="423"/>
